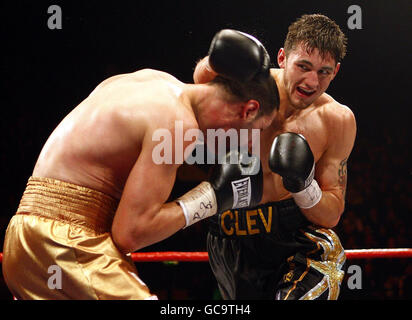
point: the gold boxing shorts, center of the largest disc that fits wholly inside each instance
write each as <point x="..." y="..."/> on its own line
<point x="59" y="246"/>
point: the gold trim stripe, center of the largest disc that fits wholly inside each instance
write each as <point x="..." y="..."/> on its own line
<point x="68" y="202"/>
<point x="330" y="266"/>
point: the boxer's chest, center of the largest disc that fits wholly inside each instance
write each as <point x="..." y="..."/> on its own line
<point x="312" y="128"/>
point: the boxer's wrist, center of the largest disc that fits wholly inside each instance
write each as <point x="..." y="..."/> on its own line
<point x="208" y="68"/>
<point x="199" y="203"/>
<point x="203" y="72"/>
<point x="308" y="197"/>
<point x="207" y="65"/>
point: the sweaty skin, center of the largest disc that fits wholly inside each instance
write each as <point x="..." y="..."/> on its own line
<point x="106" y="144"/>
<point x="328" y="126"/>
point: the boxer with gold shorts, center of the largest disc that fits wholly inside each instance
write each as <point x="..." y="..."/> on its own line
<point x="97" y="193"/>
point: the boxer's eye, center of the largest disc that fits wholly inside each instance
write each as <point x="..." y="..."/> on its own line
<point x="324" y="72"/>
<point x="303" y="67"/>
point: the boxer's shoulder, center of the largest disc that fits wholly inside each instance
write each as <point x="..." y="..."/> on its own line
<point x="137" y="78"/>
<point x="152" y="74"/>
<point x="338" y="118"/>
<point x="334" y="111"/>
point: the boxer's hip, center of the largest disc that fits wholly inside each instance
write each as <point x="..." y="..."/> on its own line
<point x="316" y="274"/>
<point x="252" y="250"/>
<point x="274" y="221"/>
<point x="58" y="246"/>
<point x="68" y="203"/>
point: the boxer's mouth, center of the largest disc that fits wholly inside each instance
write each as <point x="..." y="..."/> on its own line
<point x="305" y="92"/>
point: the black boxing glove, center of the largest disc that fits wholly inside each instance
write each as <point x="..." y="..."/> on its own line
<point x="291" y="157"/>
<point x="238" y="56"/>
<point x="235" y="183"/>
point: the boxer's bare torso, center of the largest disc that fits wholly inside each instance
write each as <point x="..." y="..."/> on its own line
<point x="99" y="142"/>
<point x="107" y="144"/>
<point x="323" y="124"/>
<point x="328" y="126"/>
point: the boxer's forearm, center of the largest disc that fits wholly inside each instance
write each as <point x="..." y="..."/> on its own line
<point x="203" y="73"/>
<point x="149" y="228"/>
<point x="327" y="212"/>
<point x="168" y="220"/>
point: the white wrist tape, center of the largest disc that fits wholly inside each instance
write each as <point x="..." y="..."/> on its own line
<point x="199" y="203"/>
<point x="309" y="197"/>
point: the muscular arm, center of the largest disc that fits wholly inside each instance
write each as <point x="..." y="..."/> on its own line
<point x="331" y="171"/>
<point x="143" y="217"/>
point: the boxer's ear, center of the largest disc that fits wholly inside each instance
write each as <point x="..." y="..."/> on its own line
<point x="282" y="58"/>
<point x="250" y="110"/>
<point x="335" y="72"/>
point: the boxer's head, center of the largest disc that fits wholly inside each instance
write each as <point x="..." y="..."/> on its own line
<point x="233" y="105"/>
<point x="311" y="56"/>
<point x="255" y="102"/>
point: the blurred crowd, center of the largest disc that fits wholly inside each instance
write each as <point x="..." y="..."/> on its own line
<point x="377" y="215"/>
<point x="378" y="212"/>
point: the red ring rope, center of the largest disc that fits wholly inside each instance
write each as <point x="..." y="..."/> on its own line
<point x="203" y="256"/>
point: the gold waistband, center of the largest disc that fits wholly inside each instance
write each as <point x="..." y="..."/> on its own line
<point x="69" y="203"/>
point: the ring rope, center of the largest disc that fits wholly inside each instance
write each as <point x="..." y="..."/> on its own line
<point x="203" y="256"/>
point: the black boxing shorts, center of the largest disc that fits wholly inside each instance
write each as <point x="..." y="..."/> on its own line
<point x="272" y="252"/>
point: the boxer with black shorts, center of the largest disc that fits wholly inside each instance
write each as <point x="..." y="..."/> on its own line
<point x="285" y="247"/>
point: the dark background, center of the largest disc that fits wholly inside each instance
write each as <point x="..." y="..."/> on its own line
<point x="46" y="73"/>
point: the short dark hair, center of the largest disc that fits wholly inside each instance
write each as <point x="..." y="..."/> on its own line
<point x="262" y="89"/>
<point x="317" y="31"/>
